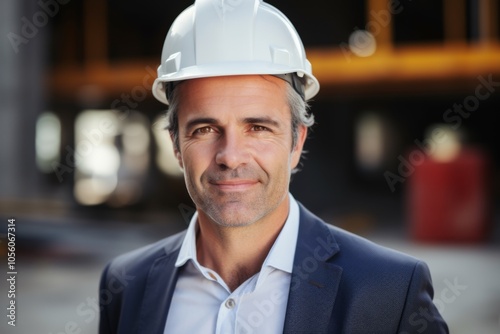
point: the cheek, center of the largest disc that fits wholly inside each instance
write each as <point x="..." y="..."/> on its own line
<point x="196" y="158"/>
<point x="273" y="155"/>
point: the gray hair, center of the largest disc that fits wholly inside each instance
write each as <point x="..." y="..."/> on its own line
<point x="298" y="107"/>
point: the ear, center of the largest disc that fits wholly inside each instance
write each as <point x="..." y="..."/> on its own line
<point x="176" y="151"/>
<point x="299" y="145"/>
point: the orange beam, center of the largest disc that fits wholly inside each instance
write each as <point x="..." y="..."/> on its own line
<point x="423" y="70"/>
<point x="442" y="67"/>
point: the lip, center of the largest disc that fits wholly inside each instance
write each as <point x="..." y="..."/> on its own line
<point x="234" y="185"/>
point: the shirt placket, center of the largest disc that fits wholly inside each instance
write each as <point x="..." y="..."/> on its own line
<point x="226" y="317"/>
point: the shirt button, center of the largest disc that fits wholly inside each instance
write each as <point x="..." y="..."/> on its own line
<point x="230" y="303"/>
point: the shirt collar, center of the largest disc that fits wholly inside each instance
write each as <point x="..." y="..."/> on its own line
<point x="282" y="252"/>
<point x="188" y="248"/>
<point x="280" y="256"/>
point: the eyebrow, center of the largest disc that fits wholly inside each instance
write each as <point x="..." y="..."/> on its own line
<point x="248" y="120"/>
<point x="202" y="120"/>
<point x="262" y="120"/>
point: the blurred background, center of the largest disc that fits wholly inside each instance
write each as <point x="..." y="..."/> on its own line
<point x="405" y="150"/>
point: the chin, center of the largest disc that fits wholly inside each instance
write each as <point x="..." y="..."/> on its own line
<point x="235" y="218"/>
<point x="233" y="221"/>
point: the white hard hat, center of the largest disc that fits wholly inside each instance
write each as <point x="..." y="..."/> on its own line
<point x="232" y="37"/>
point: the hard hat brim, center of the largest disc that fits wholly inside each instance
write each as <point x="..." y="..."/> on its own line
<point x="232" y="69"/>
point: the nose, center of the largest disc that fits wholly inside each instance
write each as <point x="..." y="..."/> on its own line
<point x="232" y="151"/>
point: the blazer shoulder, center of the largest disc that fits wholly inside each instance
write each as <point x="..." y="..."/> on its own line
<point x="351" y="250"/>
<point x="146" y="255"/>
<point x="365" y="250"/>
<point x="124" y="287"/>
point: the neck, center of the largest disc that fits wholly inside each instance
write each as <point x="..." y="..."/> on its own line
<point x="237" y="253"/>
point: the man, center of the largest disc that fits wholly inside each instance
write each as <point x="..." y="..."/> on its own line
<point x="253" y="260"/>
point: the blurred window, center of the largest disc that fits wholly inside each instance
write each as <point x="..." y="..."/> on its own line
<point x="48" y="141"/>
<point x="111" y="157"/>
<point x="165" y="156"/>
<point x="370" y="140"/>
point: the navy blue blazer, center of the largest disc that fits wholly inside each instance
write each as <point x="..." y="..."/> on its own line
<point x="341" y="283"/>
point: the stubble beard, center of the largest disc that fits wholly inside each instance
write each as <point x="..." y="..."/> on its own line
<point x="236" y="209"/>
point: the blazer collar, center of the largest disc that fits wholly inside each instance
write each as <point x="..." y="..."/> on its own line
<point x="315" y="280"/>
<point x="313" y="287"/>
<point x="159" y="288"/>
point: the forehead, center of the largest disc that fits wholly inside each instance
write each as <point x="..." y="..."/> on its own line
<point x="233" y="93"/>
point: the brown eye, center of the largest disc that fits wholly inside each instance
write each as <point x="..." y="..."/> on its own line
<point x="259" y="128"/>
<point x="203" y="130"/>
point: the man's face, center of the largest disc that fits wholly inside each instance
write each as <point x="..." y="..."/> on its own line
<point x="235" y="141"/>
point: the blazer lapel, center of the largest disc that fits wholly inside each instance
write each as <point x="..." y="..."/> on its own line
<point x="315" y="281"/>
<point x="159" y="289"/>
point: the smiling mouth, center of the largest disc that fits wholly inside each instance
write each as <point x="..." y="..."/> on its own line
<point x="234" y="185"/>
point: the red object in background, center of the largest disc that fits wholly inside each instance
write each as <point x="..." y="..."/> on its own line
<point x="449" y="201"/>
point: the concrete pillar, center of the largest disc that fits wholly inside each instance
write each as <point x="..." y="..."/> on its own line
<point x="22" y="61"/>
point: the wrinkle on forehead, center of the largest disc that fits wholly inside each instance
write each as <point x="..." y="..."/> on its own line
<point x="257" y="93"/>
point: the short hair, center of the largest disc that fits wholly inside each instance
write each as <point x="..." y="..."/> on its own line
<point x="298" y="107"/>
